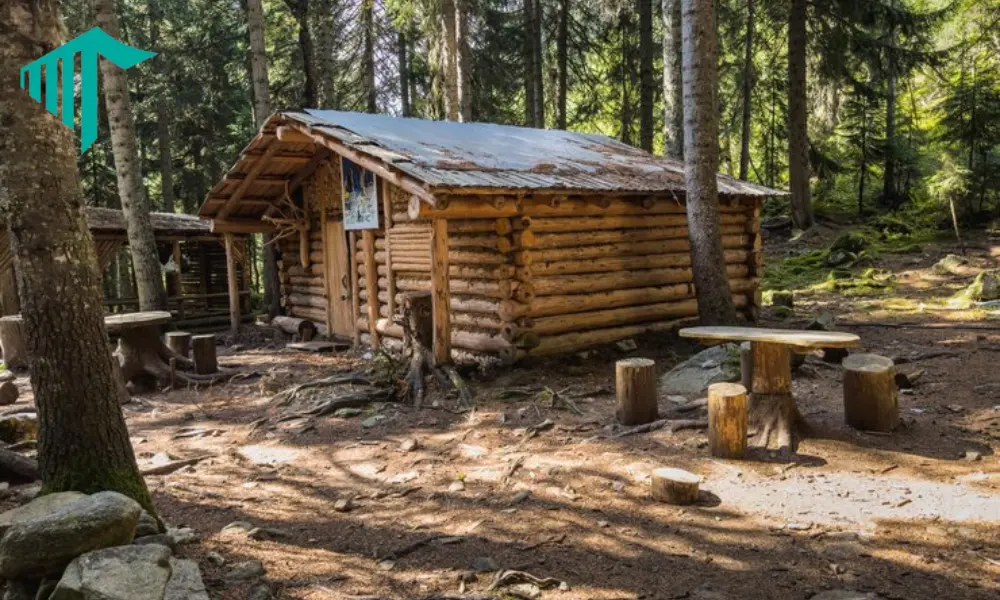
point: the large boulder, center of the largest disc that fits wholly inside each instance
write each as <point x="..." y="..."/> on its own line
<point x="121" y="573"/>
<point x="38" y="507"/>
<point x="44" y="545"/>
<point x="693" y="376"/>
<point x="185" y="581"/>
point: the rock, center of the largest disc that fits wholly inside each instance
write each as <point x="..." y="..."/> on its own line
<point x="182" y="535"/>
<point x="245" y="571"/>
<point x="19" y="428"/>
<point x="266" y="533"/>
<point x="6" y="375"/>
<point x="906" y="381"/>
<point x="185" y="581"/>
<point x="46" y="544"/>
<point x="823" y="322"/>
<point x="526" y="590"/>
<point x="161" y="539"/>
<point x="347" y="413"/>
<point x="783" y="298"/>
<point x="373" y="421"/>
<point x="628" y="345"/>
<point x="147" y="525"/>
<point x="8" y="392"/>
<point x="344" y="505"/>
<point x="261" y="592"/>
<point x="973" y="456"/>
<point x="215" y="558"/>
<point x="844" y="595"/>
<point x="485" y="564"/>
<point x="693" y="376"/>
<point x="237" y="529"/>
<point x="950" y="265"/>
<point x="21" y="590"/>
<point x="38" y="507"/>
<point x="409" y="445"/>
<point x="121" y="573"/>
<point x="457" y="486"/>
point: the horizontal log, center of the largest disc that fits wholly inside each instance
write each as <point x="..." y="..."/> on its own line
<point x="569" y="304"/>
<point x="622" y="316"/>
<point x="460" y="271"/>
<point x="294" y="325"/>
<point x="666" y="246"/>
<point x="590" y="238"/>
<point x="583" y="223"/>
<point x="616" y="280"/>
<point x="306" y="300"/>
<point x="459" y="338"/>
<point x="315" y="315"/>
<point x="605" y="206"/>
<point x="491" y="289"/>
<point x="297" y="270"/>
<point x="315" y="258"/>
<point x="310" y="290"/>
<point x="648" y="261"/>
<point x="572" y="342"/>
<point x="308" y="281"/>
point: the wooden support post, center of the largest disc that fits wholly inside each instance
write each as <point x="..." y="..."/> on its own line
<point x="727" y="420"/>
<point x="387" y="220"/>
<point x="178" y="279"/>
<point x="179" y="342"/>
<point x="246" y="284"/>
<point x="746" y="365"/>
<point x="13" y="342"/>
<point x="330" y="287"/>
<point x="772" y="407"/>
<point x="636" y="388"/>
<point x="441" y="294"/>
<point x="871" y="400"/>
<point x="234" y="288"/>
<point x="674" y="486"/>
<point x="352" y="250"/>
<point x="371" y="284"/>
<point x="203" y="354"/>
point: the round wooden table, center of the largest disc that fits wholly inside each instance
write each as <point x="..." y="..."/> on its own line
<point x="772" y="406"/>
<point x="141" y="353"/>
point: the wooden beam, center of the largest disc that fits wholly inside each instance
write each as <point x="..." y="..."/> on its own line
<point x="441" y="295"/>
<point x="234" y="290"/>
<point x="386" y="190"/>
<point x="352" y="240"/>
<point x="251" y="175"/>
<point x="178" y="277"/>
<point x="293" y="136"/>
<point x="301" y="176"/>
<point x="371" y="283"/>
<point x="269" y="179"/>
<point x="241" y="226"/>
<point x="375" y="166"/>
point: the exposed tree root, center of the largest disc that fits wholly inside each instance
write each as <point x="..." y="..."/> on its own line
<point x="670" y="425"/>
<point x="776" y="416"/>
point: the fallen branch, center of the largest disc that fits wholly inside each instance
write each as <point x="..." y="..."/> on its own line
<point x="505" y="578"/>
<point x="692" y="405"/>
<point x="175" y="465"/>
<point x="671" y="425"/>
<point x="411" y="548"/>
<point x="21" y="467"/>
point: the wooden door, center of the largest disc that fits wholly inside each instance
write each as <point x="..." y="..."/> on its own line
<point x="339" y="277"/>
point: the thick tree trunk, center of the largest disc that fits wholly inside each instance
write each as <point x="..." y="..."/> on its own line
<point x="322" y="26"/>
<point x="162" y="115"/>
<point x="83" y="440"/>
<point x="798" y="132"/>
<point x="748" y="77"/>
<point x="889" y="173"/>
<point x="863" y="167"/>
<point x="562" y="64"/>
<point x="300" y="11"/>
<point x="368" y="22"/>
<point x="135" y="203"/>
<point x="528" y="15"/>
<point x="452" y="102"/>
<point x="538" y="64"/>
<point x="261" y="110"/>
<point x="404" y="74"/>
<point x="673" y="90"/>
<point x="701" y="162"/>
<point x="626" y="117"/>
<point x="646" y="83"/>
<point x="464" y="60"/>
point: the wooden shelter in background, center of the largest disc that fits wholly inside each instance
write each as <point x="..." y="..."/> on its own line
<point x="532" y="242"/>
<point x="198" y="292"/>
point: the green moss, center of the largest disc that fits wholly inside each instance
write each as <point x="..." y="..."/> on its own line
<point x="985" y="288"/>
<point x="77" y="478"/>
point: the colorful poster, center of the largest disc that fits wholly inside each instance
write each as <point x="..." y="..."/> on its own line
<point x="360" y="196"/>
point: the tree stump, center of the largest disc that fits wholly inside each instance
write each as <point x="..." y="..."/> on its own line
<point x="13" y="342"/>
<point x="303" y="328"/>
<point x="727" y="420"/>
<point x="179" y="342"/>
<point x="203" y="354"/>
<point x="674" y="486"/>
<point x="772" y="407"/>
<point x="416" y="316"/>
<point x="871" y="400"/>
<point x="636" y="389"/>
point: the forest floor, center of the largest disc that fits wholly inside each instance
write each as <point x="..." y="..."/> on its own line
<point x="911" y="515"/>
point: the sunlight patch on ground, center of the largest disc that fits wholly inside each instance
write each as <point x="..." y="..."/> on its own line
<point x="269" y="455"/>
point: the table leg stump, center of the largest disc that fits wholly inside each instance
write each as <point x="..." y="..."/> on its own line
<point x="772" y="408"/>
<point x="871" y="400"/>
<point x="674" y="486"/>
<point x="636" y="389"/>
<point x="203" y="351"/>
<point x="179" y="342"/>
<point x="727" y="420"/>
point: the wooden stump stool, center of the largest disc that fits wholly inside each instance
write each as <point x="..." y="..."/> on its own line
<point x="13" y="342"/>
<point x="636" y="388"/>
<point x="674" y="486"/>
<point x="180" y="343"/>
<point x="203" y="350"/>
<point x="871" y="401"/>
<point x="727" y="420"/>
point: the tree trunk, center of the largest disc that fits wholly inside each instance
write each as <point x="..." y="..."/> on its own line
<point x="464" y="60"/>
<point x="537" y="65"/>
<point x="368" y="22"/>
<point x="673" y="90"/>
<point x="321" y="24"/>
<point x="625" y="74"/>
<point x="83" y="442"/>
<point x="798" y="133"/>
<point x="748" y="77"/>
<point x="528" y="15"/>
<point x="646" y="83"/>
<point x="300" y="11"/>
<point x="261" y="111"/>
<point x="701" y="162"/>
<point x="889" y="173"/>
<point x="135" y="203"/>
<point x="404" y="74"/>
<point x="452" y="102"/>
<point x="863" y="169"/>
<point x="162" y="114"/>
<point x="562" y="64"/>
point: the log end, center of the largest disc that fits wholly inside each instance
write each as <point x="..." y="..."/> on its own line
<point x="674" y="486"/>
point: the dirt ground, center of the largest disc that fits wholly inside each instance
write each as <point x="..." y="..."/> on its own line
<point x="911" y="515"/>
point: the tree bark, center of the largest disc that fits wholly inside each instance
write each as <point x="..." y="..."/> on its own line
<point x="701" y="162"/>
<point x="368" y="22"/>
<point x="300" y="11"/>
<point x="83" y="440"/>
<point x="463" y="60"/>
<point x="449" y="59"/>
<point x="321" y="25"/>
<point x="135" y="203"/>
<point x="261" y="111"/>
<point x="798" y="132"/>
<point x="748" y="79"/>
<point x="528" y="15"/>
<point x="402" y="54"/>
<point x="162" y="114"/>
<point x="538" y="65"/>
<point x="889" y="173"/>
<point x="635" y="386"/>
<point x="562" y="64"/>
<point x="673" y="90"/>
<point x="646" y="83"/>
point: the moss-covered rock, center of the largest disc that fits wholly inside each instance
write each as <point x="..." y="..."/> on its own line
<point x="984" y="288"/>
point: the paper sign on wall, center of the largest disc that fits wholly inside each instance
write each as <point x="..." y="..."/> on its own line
<point x="360" y="196"/>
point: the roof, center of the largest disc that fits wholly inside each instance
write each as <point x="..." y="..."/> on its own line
<point x="110" y="220"/>
<point x="452" y="157"/>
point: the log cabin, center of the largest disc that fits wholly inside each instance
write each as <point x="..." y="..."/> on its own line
<point x="195" y="275"/>
<point x="531" y="242"/>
